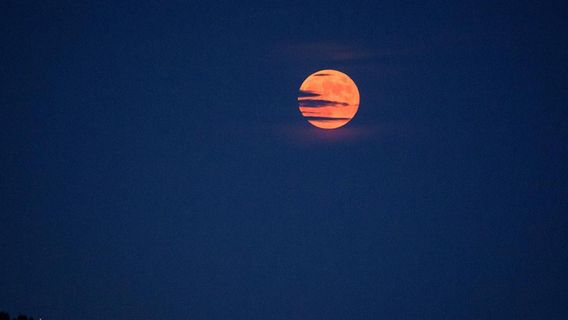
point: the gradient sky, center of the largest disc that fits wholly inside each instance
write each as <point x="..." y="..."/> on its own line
<point x="155" y="164"/>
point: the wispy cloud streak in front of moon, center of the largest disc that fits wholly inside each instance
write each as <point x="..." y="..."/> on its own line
<point x="320" y="103"/>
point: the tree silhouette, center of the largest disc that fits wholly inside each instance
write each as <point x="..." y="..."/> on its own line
<point x="6" y="316"/>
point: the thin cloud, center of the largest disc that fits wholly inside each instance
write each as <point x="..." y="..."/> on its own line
<point x="308" y="94"/>
<point x="321" y="103"/>
<point x="324" y="51"/>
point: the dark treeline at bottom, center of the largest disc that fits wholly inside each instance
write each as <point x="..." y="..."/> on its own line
<point x="6" y="316"/>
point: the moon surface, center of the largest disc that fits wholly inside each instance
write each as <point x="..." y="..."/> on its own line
<point x="328" y="99"/>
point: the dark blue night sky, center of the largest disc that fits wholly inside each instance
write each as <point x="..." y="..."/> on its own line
<point x="155" y="164"/>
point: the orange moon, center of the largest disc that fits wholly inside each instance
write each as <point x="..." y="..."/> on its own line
<point x="328" y="99"/>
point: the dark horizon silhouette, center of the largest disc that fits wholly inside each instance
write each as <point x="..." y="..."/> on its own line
<point x="6" y="316"/>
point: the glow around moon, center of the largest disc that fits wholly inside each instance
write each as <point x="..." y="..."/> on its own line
<point x="328" y="99"/>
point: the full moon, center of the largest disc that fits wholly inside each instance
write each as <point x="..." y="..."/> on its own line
<point x="328" y="99"/>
